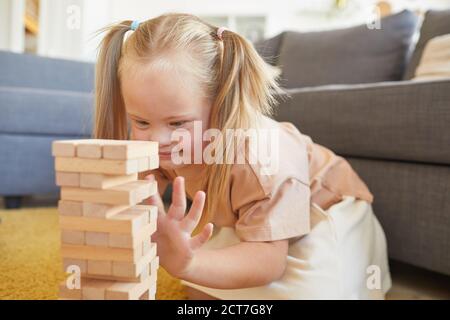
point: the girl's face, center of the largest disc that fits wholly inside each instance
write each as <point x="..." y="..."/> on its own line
<point x="158" y="102"/>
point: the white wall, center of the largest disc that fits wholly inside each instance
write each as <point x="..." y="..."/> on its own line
<point x="67" y="27"/>
<point x="11" y="25"/>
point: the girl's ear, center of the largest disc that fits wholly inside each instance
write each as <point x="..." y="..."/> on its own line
<point x="110" y="116"/>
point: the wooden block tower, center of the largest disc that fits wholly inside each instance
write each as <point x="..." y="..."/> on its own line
<point x="104" y="229"/>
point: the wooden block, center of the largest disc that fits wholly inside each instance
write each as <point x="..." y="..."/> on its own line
<point x="72" y="237"/>
<point x="100" y="210"/>
<point x="99" y="268"/>
<point x="96" y="238"/>
<point x="104" y="166"/>
<point x="123" y="240"/>
<point x="82" y="264"/>
<point x="151" y="209"/>
<point x="68" y="294"/>
<point x="129" y="221"/>
<point x="129" y="291"/>
<point x="68" y="148"/>
<point x="154" y="265"/>
<point x="70" y="208"/>
<point x="67" y="179"/>
<point x="93" y="289"/>
<point x="129" y="193"/>
<point x="89" y="149"/>
<point x="100" y="253"/>
<point x="150" y="294"/>
<point x="143" y="164"/>
<point x="64" y="148"/>
<point x="146" y="246"/>
<point x="131" y="150"/>
<point x="102" y="274"/>
<point x="127" y="269"/>
<point x="103" y="181"/>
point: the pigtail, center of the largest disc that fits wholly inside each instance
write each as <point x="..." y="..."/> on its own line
<point x="248" y="88"/>
<point x="110" y="116"/>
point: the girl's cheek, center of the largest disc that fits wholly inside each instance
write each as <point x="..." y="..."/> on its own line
<point x="139" y="134"/>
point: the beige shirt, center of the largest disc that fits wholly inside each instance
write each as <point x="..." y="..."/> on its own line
<point x="272" y="207"/>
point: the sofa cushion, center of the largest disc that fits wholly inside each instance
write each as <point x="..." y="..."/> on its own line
<point x="435" y="23"/>
<point x="435" y="60"/>
<point x="348" y="56"/>
<point x="45" y="112"/>
<point x="269" y="48"/>
<point x="27" y="70"/>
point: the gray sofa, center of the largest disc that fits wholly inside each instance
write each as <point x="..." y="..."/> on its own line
<point x="394" y="131"/>
<point x="41" y="100"/>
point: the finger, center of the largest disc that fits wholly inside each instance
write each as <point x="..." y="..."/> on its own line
<point x="178" y="206"/>
<point x="198" y="240"/>
<point x="195" y="212"/>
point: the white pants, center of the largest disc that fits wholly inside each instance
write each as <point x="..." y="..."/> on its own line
<point x="343" y="257"/>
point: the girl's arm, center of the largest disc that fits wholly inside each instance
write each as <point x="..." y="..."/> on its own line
<point x="243" y="265"/>
<point x="246" y="264"/>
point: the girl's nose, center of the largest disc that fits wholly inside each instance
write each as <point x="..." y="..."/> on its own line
<point x="163" y="138"/>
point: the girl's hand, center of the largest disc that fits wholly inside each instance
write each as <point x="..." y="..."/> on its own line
<point x="176" y="248"/>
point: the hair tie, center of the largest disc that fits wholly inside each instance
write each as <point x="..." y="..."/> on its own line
<point x="220" y="31"/>
<point x="134" y="25"/>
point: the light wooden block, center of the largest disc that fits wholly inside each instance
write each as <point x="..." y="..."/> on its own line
<point x="150" y="294"/>
<point x="103" y="181"/>
<point x="154" y="265"/>
<point x="68" y="294"/>
<point x="68" y="148"/>
<point x="129" y="291"/>
<point x="96" y="238"/>
<point x="82" y="264"/>
<point x="123" y="240"/>
<point x="127" y="269"/>
<point x="105" y="274"/>
<point x="95" y="268"/>
<point x="72" y="237"/>
<point x="127" y="194"/>
<point x="129" y="221"/>
<point x="94" y="289"/>
<point x="100" y="253"/>
<point x="70" y="208"/>
<point x="100" y="210"/>
<point x="105" y="166"/>
<point x="89" y="149"/>
<point x="64" y="148"/>
<point x="131" y="150"/>
<point x="67" y="179"/>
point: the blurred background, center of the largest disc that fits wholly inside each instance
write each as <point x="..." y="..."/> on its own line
<point x="66" y="28"/>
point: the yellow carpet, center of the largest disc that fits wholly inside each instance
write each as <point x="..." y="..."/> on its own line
<point x="30" y="261"/>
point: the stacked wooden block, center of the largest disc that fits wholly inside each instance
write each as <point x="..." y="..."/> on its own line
<point x="104" y="229"/>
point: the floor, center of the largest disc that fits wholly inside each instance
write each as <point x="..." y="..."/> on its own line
<point x="409" y="282"/>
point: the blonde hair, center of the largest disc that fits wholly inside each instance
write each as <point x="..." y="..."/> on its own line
<point x="239" y="83"/>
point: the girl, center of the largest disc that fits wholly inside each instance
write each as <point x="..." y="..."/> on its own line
<point x="304" y="231"/>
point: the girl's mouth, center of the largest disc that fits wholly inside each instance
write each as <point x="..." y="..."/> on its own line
<point x="165" y="155"/>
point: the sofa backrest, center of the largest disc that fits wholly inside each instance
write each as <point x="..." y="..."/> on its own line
<point x="345" y="56"/>
<point x="32" y="71"/>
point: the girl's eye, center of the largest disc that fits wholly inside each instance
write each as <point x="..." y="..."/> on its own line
<point x="177" y="123"/>
<point x="141" y="124"/>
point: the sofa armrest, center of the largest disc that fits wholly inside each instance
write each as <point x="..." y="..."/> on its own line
<point x="404" y="120"/>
